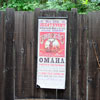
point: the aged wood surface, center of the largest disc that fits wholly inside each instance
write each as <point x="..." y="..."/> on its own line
<point x="18" y="56"/>
<point x="82" y="74"/>
<point x="94" y="35"/>
<point x="24" y="42"/>
<point x="29" y="60"/>
<point x="9" y="21"/>
<point x="19" y="44"/>
<point x="2" y="54"/>
<point x="74" y="55"/>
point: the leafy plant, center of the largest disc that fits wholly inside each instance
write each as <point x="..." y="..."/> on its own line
<point x="84" y="1"/>
<point x="68" y="5"/>
<point x="94" y="6"/>
<point x="83" y="6"/>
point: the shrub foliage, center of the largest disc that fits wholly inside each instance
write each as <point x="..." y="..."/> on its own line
<point x="83" y="6"/>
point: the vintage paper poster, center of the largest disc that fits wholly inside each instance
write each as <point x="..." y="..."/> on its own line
<point x="51" y="62"/>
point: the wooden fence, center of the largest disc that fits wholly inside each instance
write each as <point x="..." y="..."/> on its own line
<point x="18" y="56"/>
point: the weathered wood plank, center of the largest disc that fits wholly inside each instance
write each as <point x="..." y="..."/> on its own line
<point x="94" y="35"/>
<point x="83" y="27"/>
<point x="9" y="54"/>
<point x="2" y="54"/>
<point x="29" y="61"/>
<point x="74" y="60"/>
<point x="20" y="53"/>
<point x="24" y="53"/>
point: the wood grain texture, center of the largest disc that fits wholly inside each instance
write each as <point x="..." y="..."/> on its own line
<point x="94" y="35"/>
<point x="18" y="56"/>
<point x="74" y="47"/>
<point x="2" y="54"/>
<point x="82" y="74"/>
<point x="24" y="44"/>
<point x="9" y="23"/>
